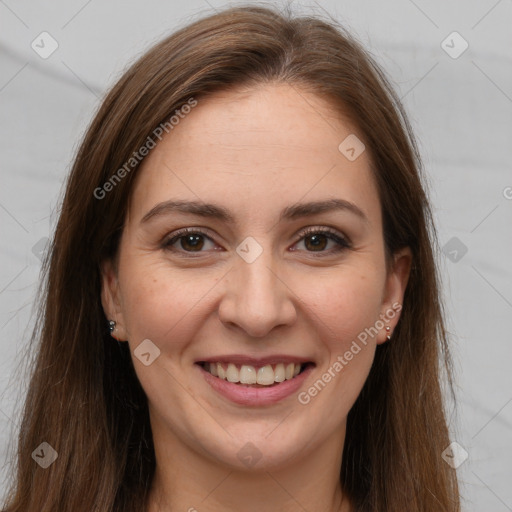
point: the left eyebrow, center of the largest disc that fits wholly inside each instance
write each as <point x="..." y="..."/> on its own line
<point x="210" y="210"/>
<point x="300" y="210"/>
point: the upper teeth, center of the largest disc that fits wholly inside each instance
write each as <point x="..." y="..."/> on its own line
<point x="247" y="374"/>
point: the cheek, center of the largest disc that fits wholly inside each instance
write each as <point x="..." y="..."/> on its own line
<point x="345" y="307"/>
<point x="160" y="303"/>
<point x="345" y="303"/>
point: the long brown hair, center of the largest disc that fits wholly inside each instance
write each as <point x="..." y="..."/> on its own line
<point x="84" y="398"/>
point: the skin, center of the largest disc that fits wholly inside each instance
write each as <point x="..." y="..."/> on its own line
<point x="253" y="151"/>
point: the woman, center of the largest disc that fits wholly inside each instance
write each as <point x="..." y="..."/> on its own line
<point x="246" y="218"/>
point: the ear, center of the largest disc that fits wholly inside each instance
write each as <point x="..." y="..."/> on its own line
<point x="111" y="299"/>
<point x="396" y="283"/>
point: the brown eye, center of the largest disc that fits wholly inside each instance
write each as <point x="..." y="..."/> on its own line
<point x="317" y="240"/>
<point x="188" y="240"/>
<point x="192" y="242"/>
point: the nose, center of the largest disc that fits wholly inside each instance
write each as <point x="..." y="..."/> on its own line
<point x="257" y="298"/>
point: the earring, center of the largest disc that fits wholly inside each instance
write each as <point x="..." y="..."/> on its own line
<point x="388" y="330"/>
<point x="112" y="327"/>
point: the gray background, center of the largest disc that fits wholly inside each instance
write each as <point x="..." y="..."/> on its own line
<point x="461" y="110"/>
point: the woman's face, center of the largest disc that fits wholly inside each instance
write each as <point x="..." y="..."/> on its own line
<point x="266" y="277"/>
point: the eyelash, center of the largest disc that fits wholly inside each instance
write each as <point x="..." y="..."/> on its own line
<point x="343" y="243"/>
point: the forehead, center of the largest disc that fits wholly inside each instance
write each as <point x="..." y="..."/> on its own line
<point x="256" y="149"/>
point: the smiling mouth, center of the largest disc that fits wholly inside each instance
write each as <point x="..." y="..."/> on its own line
<point x="255" y="377"/>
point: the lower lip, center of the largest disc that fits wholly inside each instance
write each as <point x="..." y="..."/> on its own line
<point x="256" y="396"/>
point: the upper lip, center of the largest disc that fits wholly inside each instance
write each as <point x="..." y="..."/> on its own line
<point x="241" y="359"/>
